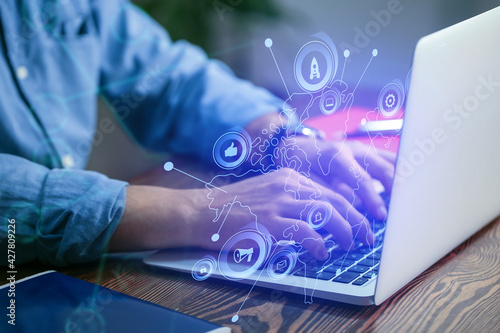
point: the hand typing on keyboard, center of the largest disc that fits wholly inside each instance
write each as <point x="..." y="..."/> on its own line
<point x="317" y="186"/>
<point x="282" y="201"/>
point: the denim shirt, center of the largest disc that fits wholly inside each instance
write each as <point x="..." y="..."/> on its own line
<point x="56" y="58"/>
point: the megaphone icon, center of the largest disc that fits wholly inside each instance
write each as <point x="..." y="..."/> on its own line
<point x="241" y="254"/>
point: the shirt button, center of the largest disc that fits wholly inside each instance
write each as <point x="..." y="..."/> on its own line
<point x="68" y="161"/>
<point x="22" y="72"/>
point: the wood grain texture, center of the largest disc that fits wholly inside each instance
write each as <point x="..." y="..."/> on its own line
<point x="460" y="293"/>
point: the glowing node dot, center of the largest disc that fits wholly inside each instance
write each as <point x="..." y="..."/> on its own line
<point x="235" y="318"/>
<point x="168" y="166"/>
<point x="268" y="42"/>
<point x="363" y="121"/>
<point x="215" y="237"/>
<point x="375" y="52"/>
<point x="347" y="53"/>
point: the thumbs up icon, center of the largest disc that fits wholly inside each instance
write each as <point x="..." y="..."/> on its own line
<point x="231" y="151"/>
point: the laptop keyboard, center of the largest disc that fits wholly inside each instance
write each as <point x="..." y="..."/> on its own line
<point x="355" y="267"/>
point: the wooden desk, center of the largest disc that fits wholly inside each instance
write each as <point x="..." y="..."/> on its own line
<point x="460" y="293"/>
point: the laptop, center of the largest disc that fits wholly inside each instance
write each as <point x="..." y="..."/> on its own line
<point x="445" y="187"/>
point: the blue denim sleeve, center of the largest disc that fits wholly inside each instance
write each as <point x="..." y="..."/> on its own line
<point x="61" y="216"/>
<point x="170" y="95"/>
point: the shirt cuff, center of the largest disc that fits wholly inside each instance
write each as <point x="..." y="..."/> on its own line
<point x="80" y="211"/>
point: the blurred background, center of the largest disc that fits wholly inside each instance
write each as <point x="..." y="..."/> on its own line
<point x="234" y="31"/>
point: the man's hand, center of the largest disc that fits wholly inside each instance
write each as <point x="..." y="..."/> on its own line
<point x="157" y="217"/>
<point x="280" y="201"/>
<point x="347" y="167"/>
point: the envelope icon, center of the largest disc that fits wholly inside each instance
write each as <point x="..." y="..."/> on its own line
<point x="282" y="265"/>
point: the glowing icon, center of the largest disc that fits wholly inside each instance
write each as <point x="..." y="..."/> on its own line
<point x="231" y="151"/>
<point x="314" y="69"/>
<point x="318" y="217"/>
<point x="241" y="254"/>
<point x="390" y="101"/>
<point x="282" y="265"/>
<point x="308" y="74"/>
<point x="231" y="144"/>
<point x="247" y="244"/>
<point x="203" y="268"/>
<point x="330" y="101"/>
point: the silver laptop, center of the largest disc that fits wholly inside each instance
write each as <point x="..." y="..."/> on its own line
<point x="445" y="187"/>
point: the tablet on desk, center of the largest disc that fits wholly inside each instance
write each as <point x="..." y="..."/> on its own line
<point x="54" y="302"/>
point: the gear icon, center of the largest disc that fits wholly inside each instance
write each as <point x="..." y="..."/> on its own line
<point x="390" y="101"/>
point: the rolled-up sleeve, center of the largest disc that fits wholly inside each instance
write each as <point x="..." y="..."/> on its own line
<point x="61" y="216"/>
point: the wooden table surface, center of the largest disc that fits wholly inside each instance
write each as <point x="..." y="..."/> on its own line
<point x="460" y="293"/>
